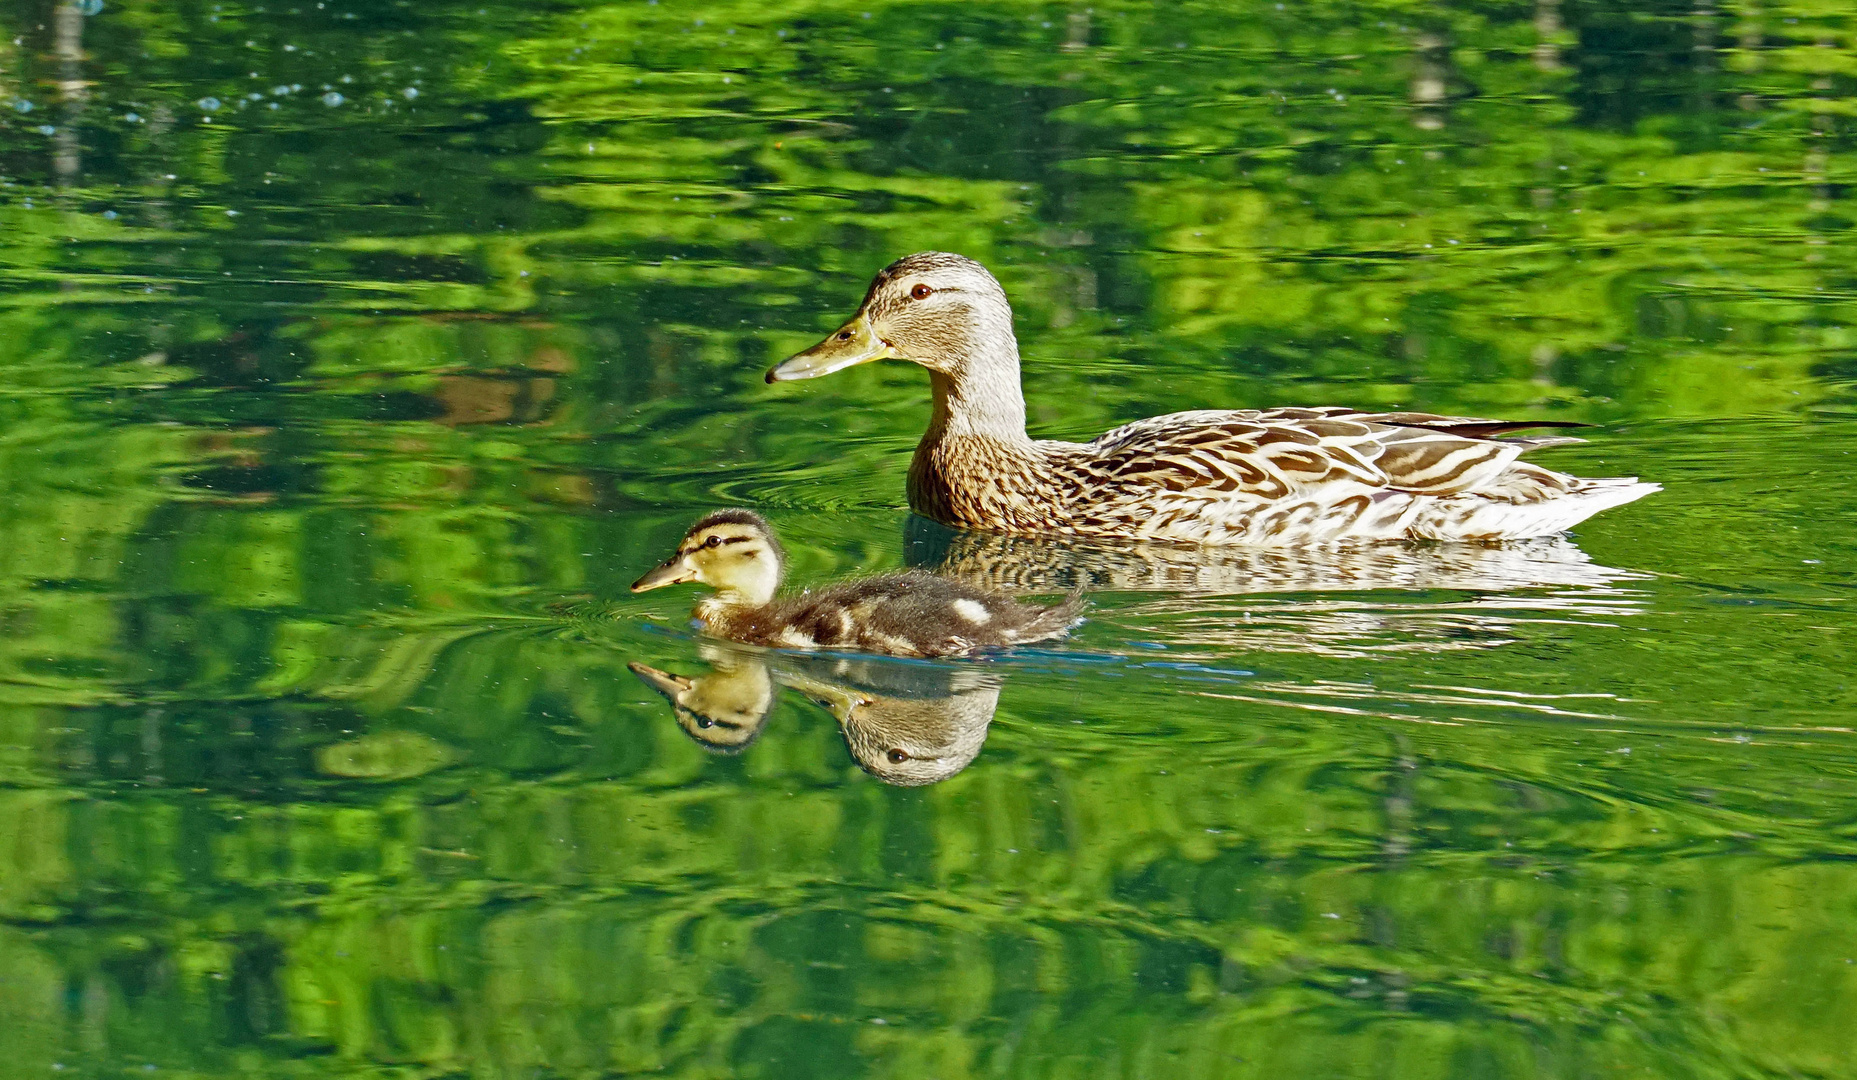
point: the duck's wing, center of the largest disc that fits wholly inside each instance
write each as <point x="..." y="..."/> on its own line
<point x="1470" y="427"/>
<point x="1273" y="453"/>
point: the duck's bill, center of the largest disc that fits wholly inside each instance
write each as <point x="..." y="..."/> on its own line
<point x="854" y="343"/>
<point x="671" y="573"/>
<point x="662" y="681"/>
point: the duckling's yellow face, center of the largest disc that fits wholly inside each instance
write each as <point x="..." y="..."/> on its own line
<point x="934" y="308"/>
<point x="732" y="551"/>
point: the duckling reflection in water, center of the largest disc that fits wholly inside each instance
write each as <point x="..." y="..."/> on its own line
<point x="723" y="710"/>
<point x="907" y="727"/>
<point x="908" y="614"/>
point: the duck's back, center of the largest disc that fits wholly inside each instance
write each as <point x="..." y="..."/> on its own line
<point x="1269" y="477"/>
<point x="908" y="614"/>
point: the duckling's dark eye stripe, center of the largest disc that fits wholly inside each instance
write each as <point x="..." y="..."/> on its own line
<point x="694" y="548"/>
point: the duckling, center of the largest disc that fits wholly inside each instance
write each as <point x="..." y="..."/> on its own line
<point x="1290" y="476"/>
<point x="904" y="614"/>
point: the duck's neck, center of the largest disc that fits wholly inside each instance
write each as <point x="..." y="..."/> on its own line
<point x="984" y="401"/>
<point x="727" y="606"/>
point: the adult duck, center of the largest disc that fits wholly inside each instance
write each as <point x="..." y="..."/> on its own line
<point x="1227" y="476"/>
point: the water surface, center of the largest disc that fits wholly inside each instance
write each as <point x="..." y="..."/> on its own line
<point x="354" y="358"/>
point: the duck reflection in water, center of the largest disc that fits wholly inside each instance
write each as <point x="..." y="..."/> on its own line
<point x="1057" y="563"/>
<point x="1330" y="600"/>
<point x="908" y="724"/>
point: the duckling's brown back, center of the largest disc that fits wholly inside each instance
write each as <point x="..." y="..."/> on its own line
<point x="917" y="614"/>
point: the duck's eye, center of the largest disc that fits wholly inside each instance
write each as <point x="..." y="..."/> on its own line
<point x="897" y="757"/>
<point x="921" y="291"/>
<point x="844" y="335"/>
<point x="713" y="542"/>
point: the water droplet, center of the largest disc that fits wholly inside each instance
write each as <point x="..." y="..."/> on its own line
<point x="410" y="93"/>
<point x="47" y="129"/>
<point x="89" y="7"/>
<point x="22" y="105"/>
<point x="332" y="99"/>
<point x="110" y="215"/>
<point x="208" y="104"/>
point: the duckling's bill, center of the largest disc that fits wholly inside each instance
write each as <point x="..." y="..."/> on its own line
<point x="677" y="571"/>
<point x="855" y="343"/>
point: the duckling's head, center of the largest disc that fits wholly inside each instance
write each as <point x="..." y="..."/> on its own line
<point x="732" y="551"/>
<point x="940" y="310"/>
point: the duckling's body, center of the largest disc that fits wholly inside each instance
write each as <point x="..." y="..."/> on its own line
<point x="913" y="613"/>
<point x="906" y="614"/>
<point x="1277" y="476"/>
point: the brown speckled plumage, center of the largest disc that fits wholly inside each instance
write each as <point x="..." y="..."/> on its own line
<point x="1266" y="477"/>
<point x="913" y="613"/>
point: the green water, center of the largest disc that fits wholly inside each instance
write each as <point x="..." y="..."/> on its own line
<point x="354" y="358"/>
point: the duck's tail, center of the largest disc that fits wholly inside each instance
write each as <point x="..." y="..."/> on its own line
<point x="1532" y="509"/>
<point x="1593" y="496"/>
<point x="1056" y="620"/>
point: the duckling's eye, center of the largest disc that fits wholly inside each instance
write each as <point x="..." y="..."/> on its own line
<point x="921" y="291"/>
<point x="844" y="335"/>
<point x="897" y="757"/>
<point x="713" y="542"/>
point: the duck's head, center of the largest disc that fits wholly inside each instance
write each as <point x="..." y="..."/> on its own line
<point x="731" y="551"/>
<point x="937" y="309"/>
